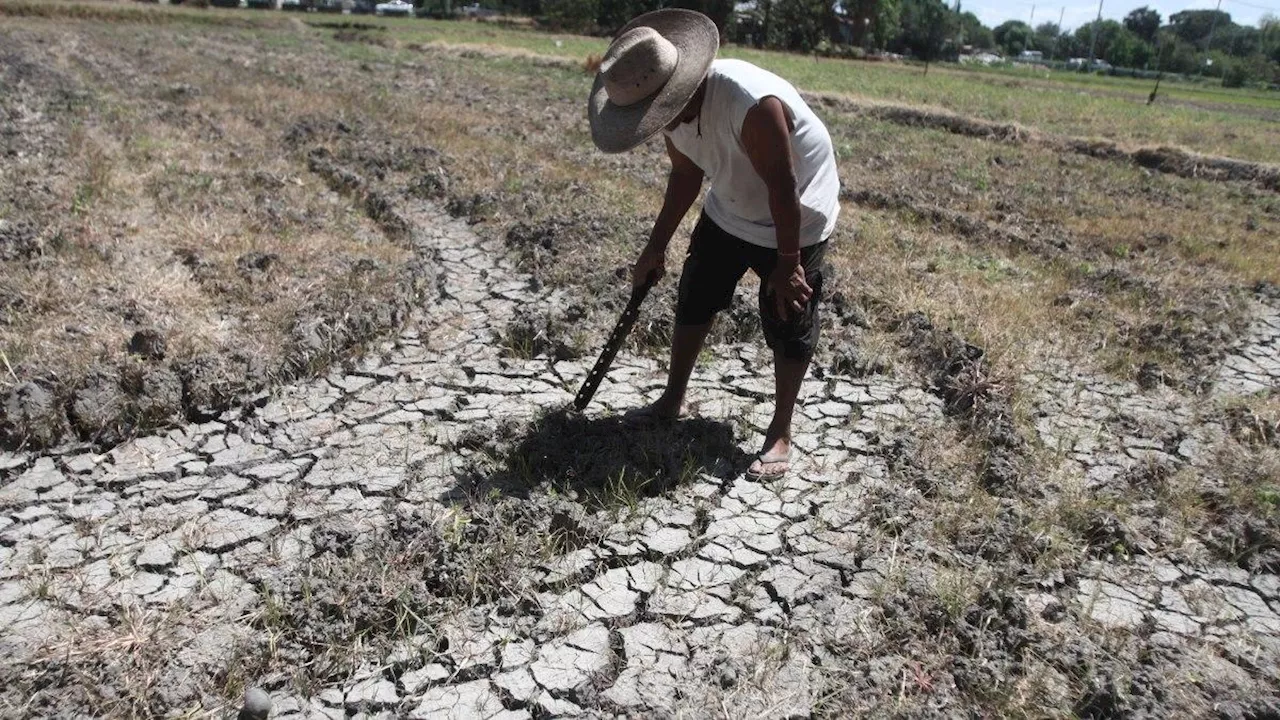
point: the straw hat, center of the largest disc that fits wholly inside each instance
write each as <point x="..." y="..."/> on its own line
<point x="652" y="68"/>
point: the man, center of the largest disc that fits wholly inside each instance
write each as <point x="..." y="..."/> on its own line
<point x="771" y="206"/>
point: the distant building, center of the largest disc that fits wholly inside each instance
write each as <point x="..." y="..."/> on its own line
<point x="1031" y="55"/>
<point x="982" y="58"/>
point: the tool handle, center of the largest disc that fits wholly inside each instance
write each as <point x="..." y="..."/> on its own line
<point x="616" y="338"/>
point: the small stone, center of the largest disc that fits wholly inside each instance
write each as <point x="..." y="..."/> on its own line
<point x="257" y="705"/>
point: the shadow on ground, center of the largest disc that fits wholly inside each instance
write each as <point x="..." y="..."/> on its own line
<point x="603" y="462"/>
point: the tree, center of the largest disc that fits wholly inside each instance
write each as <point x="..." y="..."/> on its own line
<point x="1069" y="46"/>
<point x="1239" y="40"/>
<point x="611" y="15"/>
<point x="1269" y="28"/>
<point x="1193" y="26"/>
<point x="576" y="15"/>
<point x="927" y="25"/>
<point x="1143" y="22"/>
<point x="875" y="22"/>
<point x="1128" y="50"/>
<point x="1177" y="55"/>
<point x="720" y="11"/>
<point x="1108" y="31"/>
<point x="1046" y="37"/>
<point x="1013" y="36"/>
<point x="801" y="24"/>
<point x="971" y="31"/>
<point x="886" y="22"/>
<point x="1235" y="74"/>
<point x="518" y="7"/>
<point x="1048" y="29"/>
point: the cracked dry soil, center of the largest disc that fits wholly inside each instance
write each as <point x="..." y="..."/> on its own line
<point x="427" y="533"/>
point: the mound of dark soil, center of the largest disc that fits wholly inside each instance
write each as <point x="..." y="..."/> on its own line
<point x="1172" y="160"/>
<point x="1177" y="161"/>
<point x="926" y="117"/>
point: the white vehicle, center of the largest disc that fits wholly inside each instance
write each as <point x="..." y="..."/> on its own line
<point x="474" y="10"/>
<point x="394" y="7"/>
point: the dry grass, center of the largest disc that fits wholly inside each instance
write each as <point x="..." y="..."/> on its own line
<point x="174" y="206"/>
<point x="120" y="668"/>
<point x="1184" y="238"/>
<point x="1014" y="267"/>
<point x="1031" y="253"/>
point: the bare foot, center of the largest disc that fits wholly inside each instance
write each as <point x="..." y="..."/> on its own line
<point x="774" y="460"/>
<point x="661" y="410"/>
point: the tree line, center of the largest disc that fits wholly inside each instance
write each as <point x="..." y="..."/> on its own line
<point x="1191" y="42"/>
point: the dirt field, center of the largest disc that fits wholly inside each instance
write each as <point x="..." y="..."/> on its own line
<point x="339" y="279"/>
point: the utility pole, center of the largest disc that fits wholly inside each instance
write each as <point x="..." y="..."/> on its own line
<point x="1159" y="71"/>
<point x="1093" y="44"/>
<point x="1057" y="38"/>
<point x="1212" y="24"/>
<point x="1033" y="16"/>
<point x="768" y="6"/>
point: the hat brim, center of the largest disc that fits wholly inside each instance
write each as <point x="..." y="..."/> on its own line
<point x="616" y="129"/>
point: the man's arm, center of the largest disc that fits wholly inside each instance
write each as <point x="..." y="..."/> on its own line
<point x="766" y="138"/>
<point x="683" y="184"/>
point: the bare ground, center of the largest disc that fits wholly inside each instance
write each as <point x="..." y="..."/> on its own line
<point x="428" y="533"/>
<point x="1039" y="469"/>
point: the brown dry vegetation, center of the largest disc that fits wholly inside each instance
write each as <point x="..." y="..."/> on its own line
<point x="146" y="168"/>
<point x="156" y="188"/>
<point x="138" y="202"/>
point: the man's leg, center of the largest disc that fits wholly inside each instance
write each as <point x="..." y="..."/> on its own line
<point x="788" y="375"/>
<point x="792" y="339"/>
<point x="686" y="343"/>
<point x="711" y="271"/>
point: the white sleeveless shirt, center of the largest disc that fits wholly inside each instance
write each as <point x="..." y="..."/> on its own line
<point x="738" y="200"/>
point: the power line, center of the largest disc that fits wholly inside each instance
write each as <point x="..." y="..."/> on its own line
<point x="1093" y="41"/>
<point x="1190" y="6"/>
<point x="1255" y="7"/>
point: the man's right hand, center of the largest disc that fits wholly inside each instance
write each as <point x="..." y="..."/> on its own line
<point x="651" y="260"/>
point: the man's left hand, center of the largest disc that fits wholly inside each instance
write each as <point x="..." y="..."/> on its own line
<point x="791" y="292"/>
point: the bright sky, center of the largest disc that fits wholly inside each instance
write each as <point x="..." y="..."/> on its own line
<point x="1079" y="12"/>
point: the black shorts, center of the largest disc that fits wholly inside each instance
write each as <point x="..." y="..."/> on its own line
<point x="715" y="264"/>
